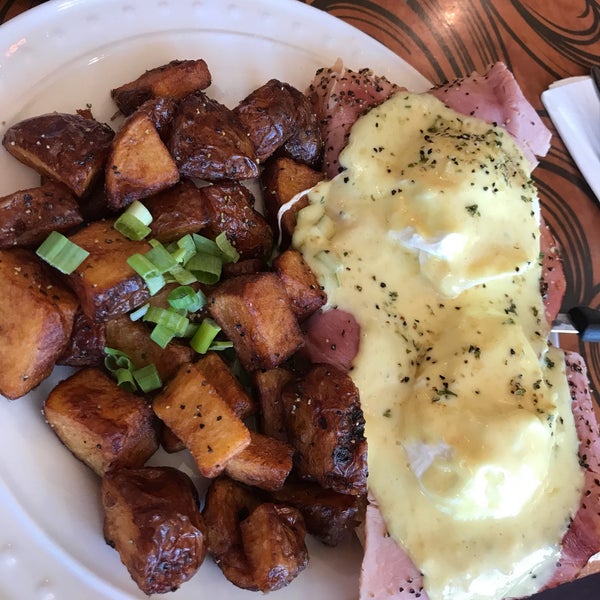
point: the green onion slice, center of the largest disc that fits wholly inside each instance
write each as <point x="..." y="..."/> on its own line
<point x="206" y="267"/>
<point x="143" y="267"/>
<point x="160" y="257"/>
<point x="218" y="346"/>
<point x="115" y="360"/>
<point x="131" y="227"/>
<point x="185" y="297"/>
<point x="168" y="319"/>
<point x="228" y="253"/>
<point x="155" y="284"/>
<point x="162" y="335"/>
<point x="60" y="252"/>
<point x="147" y="378"/>
<point x="182" y="276"/>
<point x="125" y="379"/>
<point x="205" y="246"/>
<point x="205" y="335"/>
<point x="184" y="249"/>
<point x="137" y="314"/>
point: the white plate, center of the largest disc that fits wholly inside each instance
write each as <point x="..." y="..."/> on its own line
<point x="63" y="56"/>
<point x="574" y="107"/>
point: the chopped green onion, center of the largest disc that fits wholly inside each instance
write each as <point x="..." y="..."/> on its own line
<point x="147" y="378"/>
<point x="60" y="252"/>
<point x="185" y="297"/>
<point x="160" y="257"/>
<point x="125" y="379"/>
<point x="182" y="276"/>
<point x="162" y="335"/>
<point x="228" y="253"/>
<point x="142" y="266"/>
<point x="205" y="246"/>
<point x="131" y="227"/>
<point x="185" y="249"/>
<point x="206" y="267"/>
<point x="218" y="346"/>
<point x="191" y="330"/>
<point x="155" y="284"/>
<point x="136" y="315"/>
<point x="168" y="319"/>
<point x="140" y="212"/>
<point x="115" y="360"/>
<point x="205" y="335"/>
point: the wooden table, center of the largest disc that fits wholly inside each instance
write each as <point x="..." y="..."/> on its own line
<point x="540" y="41"/>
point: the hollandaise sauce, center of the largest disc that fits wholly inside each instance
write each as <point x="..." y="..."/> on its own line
<point x="430" y="238"/>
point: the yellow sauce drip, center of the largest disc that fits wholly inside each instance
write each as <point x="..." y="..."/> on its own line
<point x="430" y="238"/>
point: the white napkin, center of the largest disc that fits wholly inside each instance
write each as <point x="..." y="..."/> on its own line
<point x="574" y="107"/>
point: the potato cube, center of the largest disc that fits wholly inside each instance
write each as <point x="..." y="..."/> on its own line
<point x="178" y="211"/>
<point x="36" y="320"/>
<point x="232" y="212"/>
<point x="105" y="284"/>
<point x="300" y="283"/>
<point x="269" y="385"/>
<point x="325" y="424"/>
<point x="28" y="216"/>
<point x="273" y="540"/>
<point x="209" y="142"/>
<point x="139" y="164"/>
<point x="66" y="148"/>
<point x="151" y="518"/>
<point x="227" y="503"/>
<point x="255" y="313"/>
<point x="174" y="80"/>
<point x="202" y="419"/>
<point x="265" y="463"/>
<point x="133" y="338"/>
<point x="103" y="425"/>
<point x="86" y="345"/>
<point x="283" y="178"/>
<point x="328" y="515"/>
<point x="226" y="384"/>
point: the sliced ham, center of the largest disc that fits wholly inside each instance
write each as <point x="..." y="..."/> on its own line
<point x="553" y="283"/>
<point x="581" y="540"/>
<point x="497" y="98"/>
<point x="339" y="96"/>
<point x="387" y="572"/>
<point x="331" y="337"/>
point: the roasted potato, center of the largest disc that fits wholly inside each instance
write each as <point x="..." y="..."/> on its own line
<point x="177" y="211"/>
<point x="193" y="409"/>
<point x="103" y="425"/>
<point x="209" y="142"/>
<point x="269" y="115"/>
<point x="139" y="164"/>
<point x="220" y="376"/>
<point x="282" y="179"/>
<point x="36" y="320"/>
<point x="265" y="463"/>
<point x="133" y="338"/>
<point x="151" y="518"/>
<point x="232" y="212"/>
<point x="67" y="148"/>
<point x="306" y="145"/>
<point x="300" y="283"/>
<point x="328" y="515"/>
<point x="273" y="541"/>
<point x="269" y="385"/>
<point x="161" y="112"/>
<point x="226" y="504"/>
<point x="174" y="80"/>
<point x="256" y="315"/>
<point x="104" y="283"/>
<point x="243" y="267"/>
<point x="86" y="345"/>
<point x="28" y="216"/>
<point x="325" y="425"/>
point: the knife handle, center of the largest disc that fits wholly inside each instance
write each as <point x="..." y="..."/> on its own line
<point x="587" y="322"/>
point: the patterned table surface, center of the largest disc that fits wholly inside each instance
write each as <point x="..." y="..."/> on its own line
<point x="541" y="41"/>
